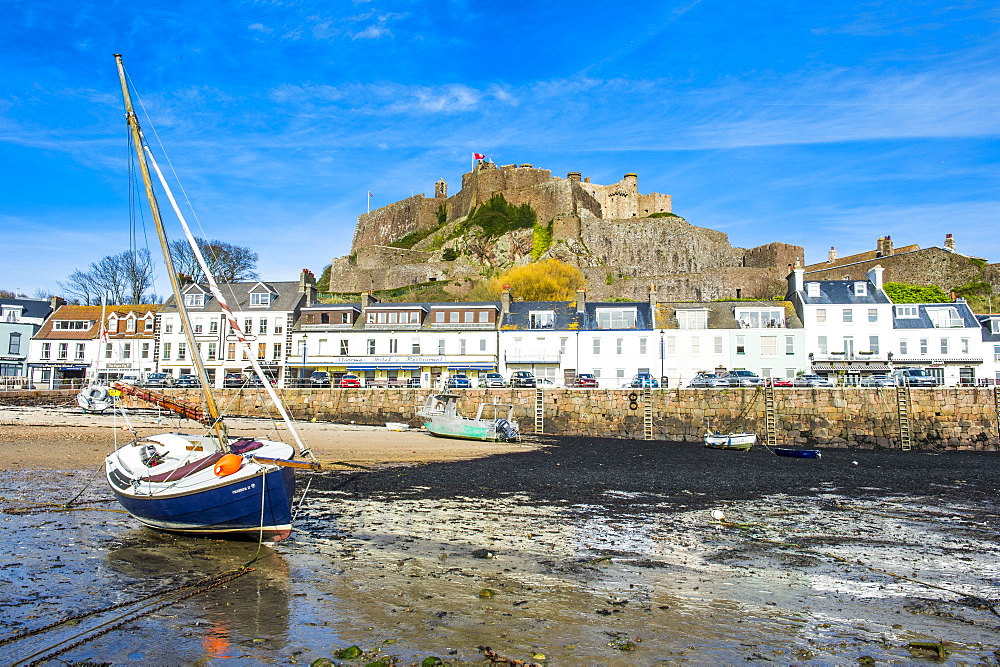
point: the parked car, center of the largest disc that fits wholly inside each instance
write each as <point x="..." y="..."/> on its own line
<point x="254" y="381"/>
<point x="188" y="381"/>
<point x="812" y="381"/>
<point x="644" y="380"/>
<point x="586" y="380"/>
<point x="708" y="381"/>
<point x="234" y="380"/>
<point x="780" y="382"/>
<point x="914" y="377"/>
<point x="877" y="381"/>
<point x="349" y="380"/>
<point x="458" y="381"/>
<point x="319" y="379"/>
<point x="131" y="378"/>
<point x="742" y="378"/>
<point x="522" y="379"/>
<point x="158" y="380"/>
<point x="492" y="380"/>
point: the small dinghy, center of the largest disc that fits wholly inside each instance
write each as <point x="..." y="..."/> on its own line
<point x="797" y="453"/>
<point x="741" y="442"/>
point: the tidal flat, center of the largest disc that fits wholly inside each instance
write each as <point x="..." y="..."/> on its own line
<point x="861" y="554"/>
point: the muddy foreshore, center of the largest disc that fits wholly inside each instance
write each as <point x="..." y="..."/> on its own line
<point x="563" y="551"/>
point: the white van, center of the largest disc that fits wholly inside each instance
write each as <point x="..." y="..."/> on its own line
<point x="131" y="378"/>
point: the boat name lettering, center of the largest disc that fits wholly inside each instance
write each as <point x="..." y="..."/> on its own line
<point x="244" y="488"/>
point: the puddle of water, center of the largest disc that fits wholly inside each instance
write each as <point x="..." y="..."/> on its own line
<point x="577" y="583"/>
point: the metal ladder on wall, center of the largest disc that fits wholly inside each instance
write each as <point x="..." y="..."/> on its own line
<point x="770" y="416"/>
<point x="903" y="417"/>
<point x="539" y="411"/>
<point x="647" y="413"/>
<point x="996" y="406"/>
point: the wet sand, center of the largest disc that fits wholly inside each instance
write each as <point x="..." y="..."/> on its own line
<point x="65" y="438"/>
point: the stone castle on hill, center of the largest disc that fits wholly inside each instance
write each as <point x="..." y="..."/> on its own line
<point x="605" y="230"/>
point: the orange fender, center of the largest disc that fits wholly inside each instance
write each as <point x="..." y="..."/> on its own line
<point x="228" y="464"/>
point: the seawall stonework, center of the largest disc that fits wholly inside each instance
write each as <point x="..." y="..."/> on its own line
<point x="942" y="418"/>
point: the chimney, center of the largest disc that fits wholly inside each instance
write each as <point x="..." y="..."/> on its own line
<point x="367" y="299"/>
<point x="652" y="295"/>
<point x="56" y="301"/>
<point x="505" y="300"/>
<point x="949" y="242"/>
<point x="887" y="246"/>
<point x="796" y="279"/>
<point x="307" y="286"/>
<point x="581" y="300"/>
<point x="875" y="276"/>
<point x="831" y="256"/>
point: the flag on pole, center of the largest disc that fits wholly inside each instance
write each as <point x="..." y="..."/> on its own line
<point x="370" y="194"/>
<point x="478" y="156"/>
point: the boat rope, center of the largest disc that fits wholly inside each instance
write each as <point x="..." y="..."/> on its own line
<point x="200" y="586"/>
<point x="302" y="499"/>
<point x="740" y="418"/>
<point x="97" y="470"/>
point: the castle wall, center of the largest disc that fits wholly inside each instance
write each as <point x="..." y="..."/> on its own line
<point x="384" y="225"/>
<point x="780" y="256"/>
<point x="935" y="266"/>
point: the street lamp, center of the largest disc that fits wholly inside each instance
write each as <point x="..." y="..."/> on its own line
<point x="304" y="339"/>
<point x="662" y="355"/>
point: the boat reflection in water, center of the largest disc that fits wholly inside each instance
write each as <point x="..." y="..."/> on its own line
<point x="245" y="616"/>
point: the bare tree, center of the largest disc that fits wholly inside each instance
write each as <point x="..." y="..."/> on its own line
<point x="228" y="263"/>
<point x="123" y="278"/>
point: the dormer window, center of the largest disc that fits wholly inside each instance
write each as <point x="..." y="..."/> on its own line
<point x="130" y="325"/>
<point x="945" y="318"/>
<point x="616" y="318"/>
<point x="10" y="314"/>
<point x="812" y="289"/>
<point x="260" y="299"/>
<point x="907" y="312"/>
<point x="860" y="289"/>
<point x="545" y="319"/>
<point x="195" y="300"/>
<point x="692" y="319"/>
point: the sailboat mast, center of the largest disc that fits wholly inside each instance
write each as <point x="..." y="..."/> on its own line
<point x="139" y="141"/>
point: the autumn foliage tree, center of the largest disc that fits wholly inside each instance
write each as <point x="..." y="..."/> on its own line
<point x="550" y="280"/>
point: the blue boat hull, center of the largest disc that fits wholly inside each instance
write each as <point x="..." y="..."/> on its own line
<point x="231" y="510"/>
<point x="798" y="453"/>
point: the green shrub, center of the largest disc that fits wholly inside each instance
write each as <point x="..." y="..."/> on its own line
<point x="495" y="217"/>
<point x="541" y="240"/>
<point x="906" y="293"/>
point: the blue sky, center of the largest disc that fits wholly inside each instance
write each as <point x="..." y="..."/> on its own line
<point x="818" y="124"/>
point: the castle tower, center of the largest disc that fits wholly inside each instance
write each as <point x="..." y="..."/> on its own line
<point x="574" y="176"/>
<point x="441" y="189"/>
<point x="887" y="246"/>
<point x="831" y="256"/>
<point x="949" y="242"/>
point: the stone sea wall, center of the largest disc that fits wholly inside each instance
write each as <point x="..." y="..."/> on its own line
<point x="942" y="418"/>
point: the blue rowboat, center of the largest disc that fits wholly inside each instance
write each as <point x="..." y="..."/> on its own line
<point x="798" y="453"/>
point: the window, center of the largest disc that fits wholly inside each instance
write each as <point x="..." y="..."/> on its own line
<point x="562" y="345"/>
<point x="718" y="344"/>
<point x="541" y="319"/>
<point x="262" y="350"/>
<point x="14" y="344"/>
<point x="848" y="315"/>
<point x="371" y="346"/>
<point x="821" y="345"/>
<point x="415" y="347"/>
<point x="393" y="345"/>
<point x="46" y="350"/>
<point x="213" y="326"/>
<point x="199" y="325"/>
<point x="873" y="314"/>
<point x="873" y="344"/>
<point x="212" y="351"/>
<point x="469" y="316"/>
<point x="642" y="346"/>
<point x="344" y="347"/>
<point x="923" y="346"/>
<point x="907" y="311"/>
<point x="944" y="345"/>
<point x="194" y="300"/>
<point x="482" y="344"/>
<point x="692" y="319"/>
<point x="168" y="326"/>
<point x="276" y="350"/>
<point x="768" y="346"/>
<point x="260" y="299"/>
<point x="461" y="346"/>
<point x="79" y="350"/>
<point x="181" y="351"/>
<point x="439" y="316"/>
<point x="671" y="345"/>
<point x="903" y="346"/>
<point x="696" y="345"/>
<point x="965" y="346"/>
<point x="597" y="345"/>
<point x="616" y="318"/>
<point x="166" y="351"/>
<point x="248" y="326"/>
<point x="484" y="316"/>
<point x="765" y="372"/>
<point x="756" y="318"/>
<point x="279" y="324"/>
<point x="453" y="317"/>
<point x="126" y="350"/>
<point x="262" y="326"/>
<point x="441" y="346"/>
<point x="231" y="352"/>
<point x="944" y="318"/>
<point x="63" y="350"/>
<point x="107" y="350"/>
<point x="812" y="289"/>
<point x="741" y="345"/>
<point x="619" y="343"/>
<point x="130" y="325"/>
<point x="393" y="318"/>
<point x="789" y="344"/>
<point x="145" y="351"/>
<point x="821" y="314"/>
<point x="860" y="289"/>
<point x="70" y="325"/>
